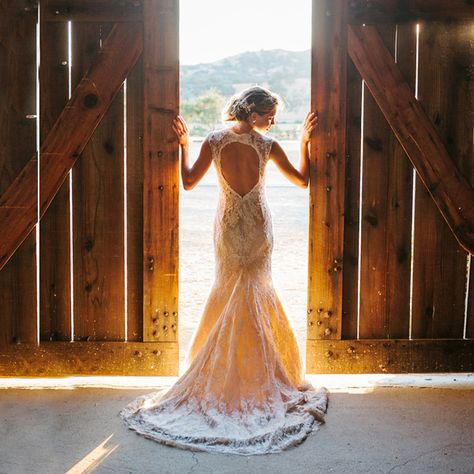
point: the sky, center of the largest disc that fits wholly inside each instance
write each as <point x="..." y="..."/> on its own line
<point x="213" y="29"/>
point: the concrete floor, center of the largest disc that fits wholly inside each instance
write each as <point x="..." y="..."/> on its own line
<point x="416" y="424"/>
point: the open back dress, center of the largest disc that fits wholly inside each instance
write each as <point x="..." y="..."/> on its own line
<point x="244" y="390"/>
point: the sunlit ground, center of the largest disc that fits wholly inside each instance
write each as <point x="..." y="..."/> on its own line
<point x="95" y="457"/>
<point x="344" y="383"/>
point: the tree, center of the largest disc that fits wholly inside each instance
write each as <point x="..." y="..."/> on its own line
<point x="205" y="110"/>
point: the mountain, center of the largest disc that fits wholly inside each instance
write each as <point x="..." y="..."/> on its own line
<point x="285" y="72"/>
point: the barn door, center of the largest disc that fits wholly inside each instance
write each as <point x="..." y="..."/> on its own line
<point x="93" y="289"/>
<point x="390" y="287"/>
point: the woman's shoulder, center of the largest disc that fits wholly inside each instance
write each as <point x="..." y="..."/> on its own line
<point x="215" y="136"/>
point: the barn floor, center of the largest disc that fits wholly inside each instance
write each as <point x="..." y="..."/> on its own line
<point x="420" y="423"/>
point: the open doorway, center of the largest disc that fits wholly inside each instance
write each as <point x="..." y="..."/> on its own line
<point x="265" y="43"/>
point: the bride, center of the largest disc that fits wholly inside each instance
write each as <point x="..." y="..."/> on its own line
<point x="244" y="390"/>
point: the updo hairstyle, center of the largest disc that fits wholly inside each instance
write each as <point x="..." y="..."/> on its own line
<point x="254" y="99"/>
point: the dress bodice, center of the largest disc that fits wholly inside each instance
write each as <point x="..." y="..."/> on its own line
<point x="262" y="145"/>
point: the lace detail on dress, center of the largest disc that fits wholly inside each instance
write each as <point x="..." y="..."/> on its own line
<point x="244" y="390"/>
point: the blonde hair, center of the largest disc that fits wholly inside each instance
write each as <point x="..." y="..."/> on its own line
<point x="254" y="99"/>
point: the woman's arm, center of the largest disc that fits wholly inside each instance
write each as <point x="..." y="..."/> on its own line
<point x="191" y="175"/>
<point x="300" y="175"/>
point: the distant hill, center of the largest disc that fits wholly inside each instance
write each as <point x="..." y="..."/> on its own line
<point x="284" y="72"/>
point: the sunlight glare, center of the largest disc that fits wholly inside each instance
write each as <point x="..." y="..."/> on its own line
<point x="245" y="26"/>
<point x="89" y="462"/>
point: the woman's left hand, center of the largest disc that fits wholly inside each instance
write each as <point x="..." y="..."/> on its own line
<point x="309" y="124"/>
<point x="181" y="130"/>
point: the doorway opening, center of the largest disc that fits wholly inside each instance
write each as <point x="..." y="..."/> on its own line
<point x="266" y="43"/>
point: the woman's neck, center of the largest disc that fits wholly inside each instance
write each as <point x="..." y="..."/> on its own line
<point x="242" y="127"/>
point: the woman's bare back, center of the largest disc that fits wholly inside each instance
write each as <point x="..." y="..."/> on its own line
<point x="240" y="167"/>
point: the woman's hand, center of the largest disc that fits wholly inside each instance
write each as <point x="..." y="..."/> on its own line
<point x="181" y="130"/>
<point x="309" y="124"/>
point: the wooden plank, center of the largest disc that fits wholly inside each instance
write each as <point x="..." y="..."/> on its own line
<point x="374" y="318"/>
<point x="470" y="301"/>
<point x="386" y="219"/>
<point x="460" y="130"/>
<point x="161" y="171"/>
<point x="92" y="10"/>
<point x="135" y="203"/>
<point x="326" y="212"/>
<point x="350" y="292"/>
<point x="68" y="137"/>
<point x="63" y="359"/>
<point x="394" y="356"/>
<point x="55" y="282"/>
<point x="415" y="131"/>
<point x="399" y="232"/>
<point x="97" y="181"/>
<point x="439" y="273"/>
<point x="389" y="11"/>
<point x="18" y="320"/>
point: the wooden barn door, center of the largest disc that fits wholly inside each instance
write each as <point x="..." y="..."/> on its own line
<point x="390" y="285"/>
<point x="93" y="289"/>
<point x="106" y="263"/>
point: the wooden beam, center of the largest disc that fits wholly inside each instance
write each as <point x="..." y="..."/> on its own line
<point x="55" y="268"/>
<point x="398" y="11"/>
<point x="391" y="356"/>
<point x="327" y="170"/>
<point x="160" y="171"/>
<point x="414" y="130"/>
<point x="68" y="137"/>
<point x="92" y="10"/>
<point x="61" y="359"/>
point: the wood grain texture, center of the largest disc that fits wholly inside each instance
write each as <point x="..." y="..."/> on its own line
<point x="470" y="301"/>
<point x="55" y="281"/>
<point x="17" y="145"/>
<point x="394" y="356"/>
<point x="161" y="172"/>
<point x="386" y="220"/>
<point x="70" y="134"/>
<point x="134" y="295"/>
<point x="352" y="200"/>
<point x="65" y="359"/>
<point x="439" y="279"/>
<point x="450" y="190"/>
<point x="98" y="221"/>
<point x="376" y="12"/>
<point x="92" y="10"/>
<point x="326" y="212"/>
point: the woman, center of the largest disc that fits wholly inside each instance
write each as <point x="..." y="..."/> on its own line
<point x="244" y="390"/>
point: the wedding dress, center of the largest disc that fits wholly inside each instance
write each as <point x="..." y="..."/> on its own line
<point x="244" y="390"/>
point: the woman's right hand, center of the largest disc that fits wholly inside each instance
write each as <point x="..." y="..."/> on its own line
<point x="181" y="130"/>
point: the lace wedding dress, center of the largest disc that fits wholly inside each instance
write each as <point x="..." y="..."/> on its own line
<point x="244" y="391"/>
